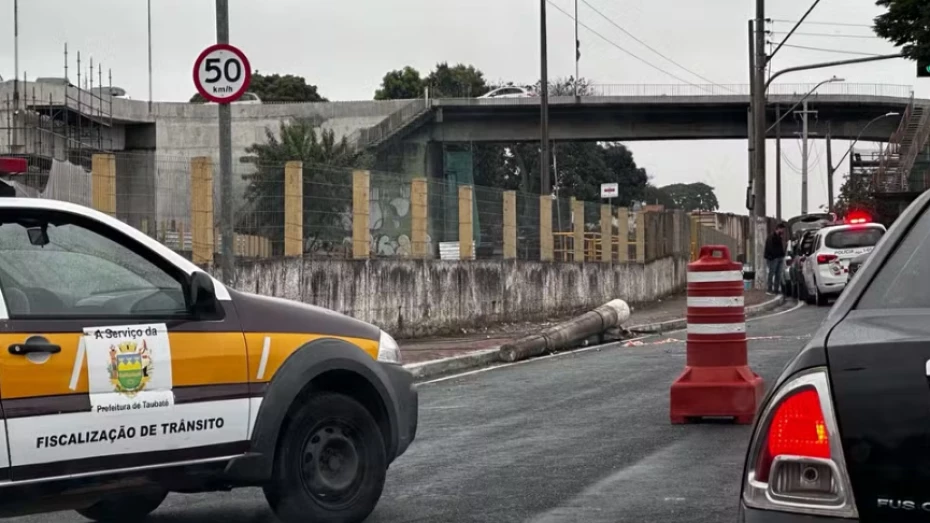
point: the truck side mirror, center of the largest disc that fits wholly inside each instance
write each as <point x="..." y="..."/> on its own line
<point x="201" y="295"/>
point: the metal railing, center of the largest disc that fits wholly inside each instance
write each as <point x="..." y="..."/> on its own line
<point x="660" y="91"/>
<point x="893" y="147"/>
<point x="920" y="140"/>
<point x="394" y="122"/>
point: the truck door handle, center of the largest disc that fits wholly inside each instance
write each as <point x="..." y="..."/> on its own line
<point x="32" y="345"/>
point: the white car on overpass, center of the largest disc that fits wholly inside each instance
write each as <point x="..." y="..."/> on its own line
<point x="510" y="91"/>
<point x="825" y="270"/>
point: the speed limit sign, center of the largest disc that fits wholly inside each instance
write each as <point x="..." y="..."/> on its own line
<point x="222" y="73"/>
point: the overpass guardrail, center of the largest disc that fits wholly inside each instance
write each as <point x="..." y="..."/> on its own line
<point x="661" y="91"/>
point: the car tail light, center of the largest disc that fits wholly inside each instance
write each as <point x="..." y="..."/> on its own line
<point x="795" y="461"/>
<point x="825" y="258"/>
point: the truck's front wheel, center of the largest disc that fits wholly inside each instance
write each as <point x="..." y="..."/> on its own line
<point x="331" y="463"/>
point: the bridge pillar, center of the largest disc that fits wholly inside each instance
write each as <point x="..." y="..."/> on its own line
<point x="434" y="157"/>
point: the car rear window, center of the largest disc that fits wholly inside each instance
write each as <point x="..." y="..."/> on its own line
<point x="853" y="238"/>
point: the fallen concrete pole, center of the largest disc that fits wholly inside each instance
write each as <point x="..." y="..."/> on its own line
<point x="564" y="335"/>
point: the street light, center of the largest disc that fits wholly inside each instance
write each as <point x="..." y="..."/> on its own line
<point x="873" y="120"/>
<point x="805" y="97"/>
<point x="831" y="169"/>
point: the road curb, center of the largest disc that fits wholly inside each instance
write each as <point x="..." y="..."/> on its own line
<point x="431" y="368"/>
<point x="482" y="358"/>
<point x="681" y="323"/>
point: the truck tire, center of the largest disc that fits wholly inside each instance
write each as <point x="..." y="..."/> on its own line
<point x="330" y="464"/>
<point x="128" y="506"/>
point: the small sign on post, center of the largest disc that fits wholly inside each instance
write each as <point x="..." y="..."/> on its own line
<point x="610" y="190"/>
<point x="222" y="73"/>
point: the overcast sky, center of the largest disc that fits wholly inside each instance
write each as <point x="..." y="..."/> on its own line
<point x="345" y="48"/>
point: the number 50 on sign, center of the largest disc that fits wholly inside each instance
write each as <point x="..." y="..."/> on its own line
<point x="222" y="73"/>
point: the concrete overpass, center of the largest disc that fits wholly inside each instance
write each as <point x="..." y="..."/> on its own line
<point x="630" y="113"/>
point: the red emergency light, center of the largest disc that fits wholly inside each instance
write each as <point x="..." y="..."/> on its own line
<point x="11" y="165"/>
<point x="858" y="217"/>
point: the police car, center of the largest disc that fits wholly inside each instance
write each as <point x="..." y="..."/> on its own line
<point x="127" y="373"/>
<point x="825" y="270"/>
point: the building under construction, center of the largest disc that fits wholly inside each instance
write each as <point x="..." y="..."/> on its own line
<point x="55" y="123"/>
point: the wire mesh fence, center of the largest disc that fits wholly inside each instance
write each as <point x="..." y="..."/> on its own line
<point x="325" y="211"/>
<point x="489" y="222"/>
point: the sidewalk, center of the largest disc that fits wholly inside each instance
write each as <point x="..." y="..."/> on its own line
<point x="424" y="349"/>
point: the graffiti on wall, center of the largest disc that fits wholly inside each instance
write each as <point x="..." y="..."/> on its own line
<point x="390" y="220"/>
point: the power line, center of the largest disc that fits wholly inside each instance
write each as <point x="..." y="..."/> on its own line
<point x="823" y="23"/>
<point x="647" y="46"/>
<point x="838" y="51"/>
<point x="829" y="35"/>
<point x="618" y="46"/>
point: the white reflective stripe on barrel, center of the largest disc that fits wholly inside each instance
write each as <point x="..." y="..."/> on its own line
<point x="713" y="301"/>
<point x="712" y="276"/>
<point x="716" y="328"/>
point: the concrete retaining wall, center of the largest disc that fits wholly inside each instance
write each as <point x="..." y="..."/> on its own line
<point x="411" y="298"/>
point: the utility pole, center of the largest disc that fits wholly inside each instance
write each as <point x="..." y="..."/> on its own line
<point x="150" y="53"/>
<point x="759" y="207"/>
<point x="829" y="170"/>
<point x="778" y="162"/>
<point x="804" y="156"/>
<point x="751" y="123"/>
<point x="543" y="102"/>
<point x="225" y="124"/>
<point x="577" y="50"/>
<point x="16" y="54"/>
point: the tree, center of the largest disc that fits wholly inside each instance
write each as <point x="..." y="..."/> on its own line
<point x="855" y="194"/>
<point x="401" y="84"/>
<point x="459" y="81"/>
<point x="632" y="179"/>
<point x="692" y="196"/>
<point x="907" y="25"/>
<point x="444" y="81"/>
<point x="653" y="195"/>
<point x="278" y="88"/>
<point x="566" y="86"/>
<point x="327" y="186"/>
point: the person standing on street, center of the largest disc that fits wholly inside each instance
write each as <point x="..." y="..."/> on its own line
<point x="775" y="259"/>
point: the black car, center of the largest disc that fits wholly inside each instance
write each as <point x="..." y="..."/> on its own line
<point x="845" y="430"/>
<point x="799" y="248"/>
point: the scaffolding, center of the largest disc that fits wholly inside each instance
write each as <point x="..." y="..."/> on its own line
<point x="52" y="119"/>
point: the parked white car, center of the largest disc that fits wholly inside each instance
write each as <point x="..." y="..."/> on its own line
<point x="826" y="269"/>
<point x="509" y="91"/>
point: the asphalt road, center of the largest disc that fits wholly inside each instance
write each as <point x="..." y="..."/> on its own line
<point x="578" y="437"/>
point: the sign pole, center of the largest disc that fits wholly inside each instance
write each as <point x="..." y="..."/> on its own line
<point x="225" y="124"/>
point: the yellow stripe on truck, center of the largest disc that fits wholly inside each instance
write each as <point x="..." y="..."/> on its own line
<point x="282" y="345"/>
<point x="197" y="358"/>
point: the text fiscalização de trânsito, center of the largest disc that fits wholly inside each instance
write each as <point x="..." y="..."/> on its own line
<point x="123" y="432"/>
